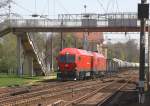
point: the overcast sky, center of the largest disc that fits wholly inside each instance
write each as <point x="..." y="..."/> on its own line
<point x="55" y="7"/>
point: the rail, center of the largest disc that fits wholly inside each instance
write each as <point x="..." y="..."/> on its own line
<point x="95" y="92"/>
<point x="113" y="94"/>
<point x="51" y="92"/>
<point x="48" y="92"/>
<point x="88" y="95"/>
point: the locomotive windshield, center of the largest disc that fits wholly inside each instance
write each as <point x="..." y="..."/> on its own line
<point x="67" y="58"/>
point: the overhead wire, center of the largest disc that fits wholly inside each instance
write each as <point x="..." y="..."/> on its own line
<point x="101" y="4"/>
<point x="48" y="8"/>
<point x="8" y="13"/>
<point x="113" y="6"/>
<point x="35" y="9"/>
<point x="54" y="8"/>
<point x="61" y="5"/>
<point x="58" y="1"/>
<point x="22" y="7"/>
<point x="108" y="4"/>
<point x="33" y="13"/>
<point x="117" y="5"/>
<point x="44" y="9"/>
<point x="4" y="3"/>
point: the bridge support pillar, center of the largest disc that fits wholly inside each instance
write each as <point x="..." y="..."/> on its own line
<point x="30" y="65"/>
<point x="19" y="55"/>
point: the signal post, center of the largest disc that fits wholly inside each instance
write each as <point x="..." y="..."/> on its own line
<point x="143" y="14"/>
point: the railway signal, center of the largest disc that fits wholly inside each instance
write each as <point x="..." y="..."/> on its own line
<point x="143" y="14"/>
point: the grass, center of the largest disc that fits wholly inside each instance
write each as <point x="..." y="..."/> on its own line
<point x="12" y="80"/>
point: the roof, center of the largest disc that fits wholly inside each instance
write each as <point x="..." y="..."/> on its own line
<point x="76" y="51"/>
<point x="92" y="36"/>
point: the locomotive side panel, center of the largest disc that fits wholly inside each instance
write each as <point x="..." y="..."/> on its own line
<point x="83" y="63"/>
<point x="99" y="62"/>
<point x="101" y="66"/>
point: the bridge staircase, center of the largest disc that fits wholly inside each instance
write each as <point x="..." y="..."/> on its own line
<point x="38" y="58"/>
<point x="29" y="47"/>
<point x="4" y="28"/>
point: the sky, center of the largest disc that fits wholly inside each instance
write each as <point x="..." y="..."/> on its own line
<point x="73" y="6"/>
<point x="54" y="7"/>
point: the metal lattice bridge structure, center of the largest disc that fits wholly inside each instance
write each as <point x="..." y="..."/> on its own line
<point x="112" y="22"/>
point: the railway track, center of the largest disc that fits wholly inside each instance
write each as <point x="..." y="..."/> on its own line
<point x="33" y="88"/>
<point x="19" y="91"/>
<point x="28" y="89"/>
<point x="109" y="97"/>
<point x="83" y="98"/>
<point x="101" y="95"/>
<point x="53" y="95"/>
<point x="62" y="89"/>
<point x="56" y="93"/>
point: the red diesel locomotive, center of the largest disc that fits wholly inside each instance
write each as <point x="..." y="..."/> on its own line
<point x="76" y="63"/>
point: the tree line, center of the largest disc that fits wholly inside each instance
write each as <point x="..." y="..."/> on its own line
<point x="8" y="62"/>
<point x="128" y="51"/>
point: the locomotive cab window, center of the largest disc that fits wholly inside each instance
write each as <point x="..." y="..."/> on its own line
<point x="70" y="58"/>
<point x="67" y="58"/>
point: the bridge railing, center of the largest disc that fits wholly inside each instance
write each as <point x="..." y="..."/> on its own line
<point x="75" y="20"/>
<point x="71" y="23"/>
<point x="111" y="20"/>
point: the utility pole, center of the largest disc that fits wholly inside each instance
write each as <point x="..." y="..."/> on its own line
<point x="85" y="41"/>
<point x="61" y="37"/>
<point x="75" y="42"/>
<point x="148" y="87"/>
<point x="143" y="14"/>
<point x="62" y="42"/>
<point x="85" y="6"/>
<point x="51" y="64"/>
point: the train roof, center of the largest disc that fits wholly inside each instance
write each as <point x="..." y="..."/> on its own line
<point x="76" y="51"/>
